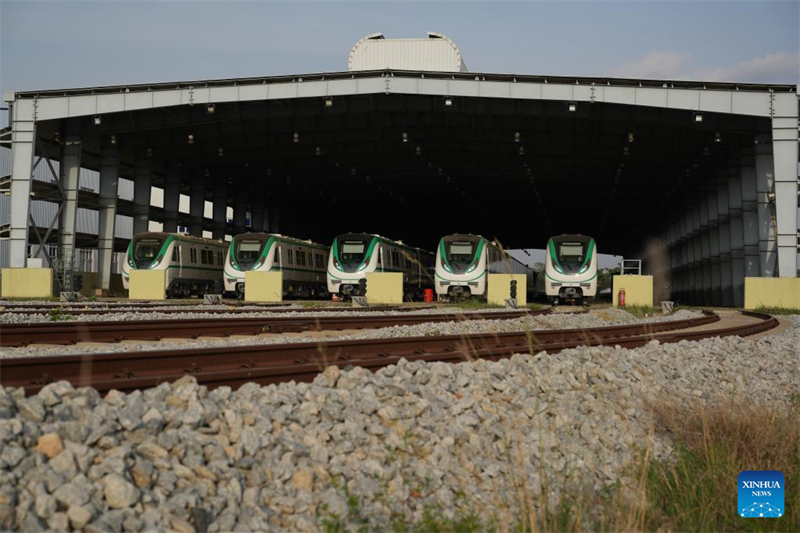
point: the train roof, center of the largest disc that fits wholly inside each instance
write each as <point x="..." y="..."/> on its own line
<point x="181" y="236"/>
<point x="399" y="244"/>
<point x="280" y="237"/>
<point x="572" y="237"/>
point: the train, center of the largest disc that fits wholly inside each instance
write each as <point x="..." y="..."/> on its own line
<point x="354" y="255"/>
<point x="571" y="269"/>
<point x="463" y="262"/>
<point x="301" y="262"/>
<point x="193" y="265"/>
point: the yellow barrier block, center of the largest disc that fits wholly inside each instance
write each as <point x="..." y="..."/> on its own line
<point x="148" y="285"/>
<point x="638" y="290"/>
<point x="771" y="292"/>
<point x="499" y="289"/>
<point x="263" y="286"/>
<point x="27" y="283"/>
<point x="385" y="288"/>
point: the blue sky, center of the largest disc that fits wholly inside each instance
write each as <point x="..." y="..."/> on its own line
<point x="68" y="43"/>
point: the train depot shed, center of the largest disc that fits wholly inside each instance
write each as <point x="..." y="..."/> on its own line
<point x="702" y="176"/>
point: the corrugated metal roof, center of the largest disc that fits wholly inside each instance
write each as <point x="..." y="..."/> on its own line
<point x="435" y="53"/>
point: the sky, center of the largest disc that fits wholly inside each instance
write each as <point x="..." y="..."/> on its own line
<point x="65" y="43"/>
<point x="59" y="44"/>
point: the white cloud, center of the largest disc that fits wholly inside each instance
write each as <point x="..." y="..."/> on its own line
<point x="778" y="67"/>
<point x="655" y="65"/>
<point x="772" y="68"/>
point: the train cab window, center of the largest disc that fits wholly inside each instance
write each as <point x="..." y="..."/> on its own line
<point x="570" y="253"/>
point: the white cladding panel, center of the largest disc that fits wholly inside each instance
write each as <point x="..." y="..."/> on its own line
<point x="436" y="53"/>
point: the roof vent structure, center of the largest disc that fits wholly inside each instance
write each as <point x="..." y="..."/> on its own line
<point x="434" y="53"/>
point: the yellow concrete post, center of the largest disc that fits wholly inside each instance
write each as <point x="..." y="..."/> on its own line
<point x="27" y="283"/>
<point x="148" y="285"/>
<point x="263" y="286"/>
<point x="385" y="288"/>
<point x="638" y="290"/>
<point x="499" y="289"/>
<point x="771" y="292"/>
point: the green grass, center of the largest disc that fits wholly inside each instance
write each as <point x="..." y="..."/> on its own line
<point x="695" y="489"/>
<point x="472" y="305"/>
<point x="640" y="311"/>
<point x="778" y="310"/>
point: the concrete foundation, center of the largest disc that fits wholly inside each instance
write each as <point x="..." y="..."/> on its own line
<point x="148" y="285"/>
<point x="638" y="290"/>
<point x="27" y="283"/>
<point x="263" y="286"/>
<point x="498" y="289"/>
<point x="772" y="292"/>
<point x="385" y="288"/>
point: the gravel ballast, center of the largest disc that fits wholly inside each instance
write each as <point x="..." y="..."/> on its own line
<point x="464" y="437"/>
<point x="459" y="326"/>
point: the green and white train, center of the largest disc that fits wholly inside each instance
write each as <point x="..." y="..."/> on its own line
<point x="463" y="263"/>
<point x="301" y="262"/>
<point x="354" y="255"/>
<point x="571" y="269"/>
<point x="193" y="265"/>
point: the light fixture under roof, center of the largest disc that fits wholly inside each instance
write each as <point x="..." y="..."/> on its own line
<point x="221" y="152"/>
<point x="295" y="137"/>
<point x="517" y="136"/>
<point x="318" y="151"/>
<point x="190" y="139"/>
<point x="697" y="117"/>
<point x="328" y="101"/>
<point x="405" y="137"/>
<point x="717" y="137"/>
<point x="418" y="150"/>
<point x="113" y="139"/>
<point x="521" y="150"/>
<point x="572" y="106"/>
<point x="210" y="108"/>
<point x="631" y="137"/>
<point x="448" y="101"/>
<point x="97" y="120"/>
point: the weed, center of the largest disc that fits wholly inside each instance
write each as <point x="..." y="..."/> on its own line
<point x="641" y="311"/>
<point x="58" y="314"/>
<point x="778" y="310"/>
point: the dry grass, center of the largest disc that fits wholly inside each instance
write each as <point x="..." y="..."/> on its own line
<point x="698" y="490"/>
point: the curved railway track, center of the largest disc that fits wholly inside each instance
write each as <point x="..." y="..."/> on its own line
<point x="236" y="365"/>
<point x="114" y="331"/>
<point x="233" y="310"/>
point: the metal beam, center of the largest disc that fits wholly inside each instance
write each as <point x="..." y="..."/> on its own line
<point x="172" y="192"/>
<point x="197" y="205"/>
<point x="785" y="152"/>
<point x="142" y="181"/>
<point x="70" y="181"/>
<point x="107" y="216"/>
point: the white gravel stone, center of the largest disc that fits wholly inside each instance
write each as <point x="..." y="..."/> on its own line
<point x="416" y="434"/>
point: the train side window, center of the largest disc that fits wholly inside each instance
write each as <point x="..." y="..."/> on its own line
<point x="204" y="257"/>
<point x="299" y="256"/>
<point x="176" y="254"/>
<point x="193" y="255"/>
<point x="289" y="255"/>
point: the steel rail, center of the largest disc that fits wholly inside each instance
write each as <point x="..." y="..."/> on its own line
<point x="235" y="365"/>
<point x="114" y="331"/>
<point x="167" y="309"/>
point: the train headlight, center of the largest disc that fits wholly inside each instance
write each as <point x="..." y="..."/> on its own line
<point x="446" y="266"/>
<point x="364" y="264"/>
<point x="585" y="267"/>
<point x="472" y="267"/>
<point x="556" y="266"/>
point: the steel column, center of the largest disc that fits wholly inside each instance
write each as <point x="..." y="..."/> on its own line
<point x="197" y="205"/>
<point x="274" y="213"/>
<point x="257" y="212"/>
<point x="70" y="173"/>
<point x="172" y="195"/>
<point x="142" y="181"/>
<point x="219" y="212"/>
<point x="737" y="233"/>
<point x="784" y="150"/>
<point x="23" y="139"/>
<point x="713" y="244"/>
<point x="705" y="253"/>
<point x="765" y="185"/>
<point x="752" y="267"/>
<point x="107" y="216"/>
<point x="726" y="272"/>
<point x="240" y="210"/>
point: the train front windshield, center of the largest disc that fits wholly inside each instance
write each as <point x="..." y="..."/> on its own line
<point x="460" y="251"/>
<point x="247" y="251"/>
<point x="571" y="254"/>
<point x="352" y="252"/>
<point x="145" y="250"/>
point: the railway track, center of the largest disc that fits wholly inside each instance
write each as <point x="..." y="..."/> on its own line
<point x="114" y="331"/>
<point x="200" y="310"/>
<point x="234" y="366"/>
